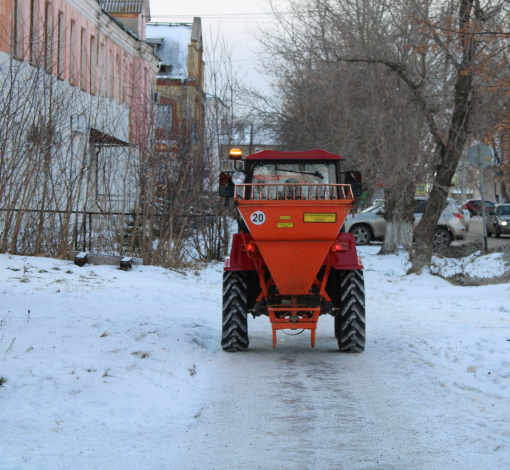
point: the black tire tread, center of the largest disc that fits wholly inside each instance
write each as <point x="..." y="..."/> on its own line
<point x="350" y="319"/>
<point x="234" y="335"/>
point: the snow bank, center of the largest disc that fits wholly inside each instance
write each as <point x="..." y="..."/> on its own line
<point x="476" y="265"/>
<point x="113" y="369"/>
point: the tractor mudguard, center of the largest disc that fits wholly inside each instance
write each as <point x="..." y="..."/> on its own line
<point x="239" y="259"/>
<point x="348" y="257"/>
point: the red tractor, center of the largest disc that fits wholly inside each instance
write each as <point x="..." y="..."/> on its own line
<point x="290" y="261"/>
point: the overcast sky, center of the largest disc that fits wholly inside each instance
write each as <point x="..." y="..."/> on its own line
<point x="232" y="17"/>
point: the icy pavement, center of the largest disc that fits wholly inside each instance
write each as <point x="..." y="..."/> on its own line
<point x="123" y="370"/>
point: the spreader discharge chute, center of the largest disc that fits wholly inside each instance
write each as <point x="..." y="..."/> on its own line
<point x="290" y="261"/>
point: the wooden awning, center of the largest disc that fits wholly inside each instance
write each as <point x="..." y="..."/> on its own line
<point x="100" y="139"/>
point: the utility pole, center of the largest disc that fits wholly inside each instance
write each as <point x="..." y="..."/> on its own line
<point x="483" y="199"/>
<point x="480" y="157"/>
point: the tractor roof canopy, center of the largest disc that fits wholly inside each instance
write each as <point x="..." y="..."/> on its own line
<point x="317" y="154"/>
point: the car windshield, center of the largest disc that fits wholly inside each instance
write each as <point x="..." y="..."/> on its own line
<point x="307" y="173"/>
<point x="503" y="210"/>
<point x="373" y="208"/>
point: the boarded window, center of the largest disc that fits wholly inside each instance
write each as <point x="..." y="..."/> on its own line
<point x="48" y="37"/>
<point x="124" y="80"/>
<point x="34" y="31"/>
<point x="111" y="88"/>
<point x="92" y="65"/>
<point x="83" y="61"/>
<point x="61" y="44"/>
<point x="102" y="70"/>
<point x="119" y="75"/>
<point x="17" y="29"/>
<point x="73" y="47"/>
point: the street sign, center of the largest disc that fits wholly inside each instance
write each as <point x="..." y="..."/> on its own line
<point x="480" y="156"/>
<point x="421" y="190"/>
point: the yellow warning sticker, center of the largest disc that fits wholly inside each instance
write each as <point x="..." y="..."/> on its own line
<point x="285" y="217"/>
<point x="285" y="224"/>
<point x="321" y="218"/>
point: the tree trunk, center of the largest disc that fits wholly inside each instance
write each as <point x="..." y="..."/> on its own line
<point x="449" y="154"/>
<point x="399" y="216"/>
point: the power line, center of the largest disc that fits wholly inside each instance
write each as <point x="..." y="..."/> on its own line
<point x="220" y="14"/>
<point x="224" y="15"/>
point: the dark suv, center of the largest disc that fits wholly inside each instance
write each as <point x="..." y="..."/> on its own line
<point x="474" y="206"/>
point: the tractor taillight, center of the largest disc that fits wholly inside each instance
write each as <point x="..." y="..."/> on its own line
<point x="250" y="247"/>
<point x="340" y="247"/>
<point x="459" y="216"/>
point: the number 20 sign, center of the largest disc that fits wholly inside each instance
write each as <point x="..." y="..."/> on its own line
<point x="258" y="218"/>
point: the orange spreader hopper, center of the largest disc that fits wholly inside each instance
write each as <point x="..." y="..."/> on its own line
<point x="294" y="235"/>
<point x="294" y="229"/>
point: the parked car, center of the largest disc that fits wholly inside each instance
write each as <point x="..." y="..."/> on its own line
<point x="474" y="206"/>
<point x="466" y="215"/>
<point x="498" y="220"/>
<point x="369" y="224"/>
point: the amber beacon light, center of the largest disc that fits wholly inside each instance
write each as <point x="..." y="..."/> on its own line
<point x="235" y="154"/>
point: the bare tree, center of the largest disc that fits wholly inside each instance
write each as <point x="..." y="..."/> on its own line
<point x="431" y="47"/>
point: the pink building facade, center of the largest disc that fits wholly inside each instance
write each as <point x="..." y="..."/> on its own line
<point x="90" y="45"/>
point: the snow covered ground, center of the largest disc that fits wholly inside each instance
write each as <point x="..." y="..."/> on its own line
<point x="123" y="370"/>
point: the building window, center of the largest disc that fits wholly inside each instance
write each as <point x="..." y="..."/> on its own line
<point x="111" y="88"/>
<point x="61" y="44"/>
<point x="48" y="37"/>
<point x="34" y="31"/>
<point x="164" y="114"/>
<point x="145" y="86"/>
<point x="118" y="77"/>
<point x="83" y="60"/>
<point x="17" y="29"/>
<point x="92" y="65"/>
<point x="72" y="47"/>
<point x="124" y="80"/>
<point x="102" y="70"/>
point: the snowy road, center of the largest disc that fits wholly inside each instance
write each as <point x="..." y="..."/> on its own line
<point x="295" y="408"/>
<point x="301" y="409"/>
<point x="114" y="370"/>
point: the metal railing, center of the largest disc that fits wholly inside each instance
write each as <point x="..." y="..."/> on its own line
<point x="293" y="192"/>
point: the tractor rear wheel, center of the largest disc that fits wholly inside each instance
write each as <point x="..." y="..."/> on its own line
<point x="235" y="313"/>
<point x="350" y="319"/>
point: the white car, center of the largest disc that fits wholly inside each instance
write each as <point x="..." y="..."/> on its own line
<point x="369" y="224"/>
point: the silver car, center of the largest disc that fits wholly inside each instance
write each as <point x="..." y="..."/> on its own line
<point x="498" y="220"/>
<point x="462" y="214"/>
<point x="369" y="224"/>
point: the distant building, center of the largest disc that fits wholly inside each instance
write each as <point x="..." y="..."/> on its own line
<point x="217" y="131"/>
<point x="133" y="14"/>
<point x="249" y="138"/>
<point x="179" y="84"/>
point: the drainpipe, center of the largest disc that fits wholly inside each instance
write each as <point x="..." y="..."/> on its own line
<point x="187" y="103"/>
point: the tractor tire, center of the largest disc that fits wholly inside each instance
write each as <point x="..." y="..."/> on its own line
<point x="234" y="336"/>
<point x="350" y="319"/>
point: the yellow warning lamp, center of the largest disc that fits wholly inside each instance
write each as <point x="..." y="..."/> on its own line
<point x="235" y="154"/>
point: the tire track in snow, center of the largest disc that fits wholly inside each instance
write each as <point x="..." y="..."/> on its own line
<point x="297" y="408"/>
